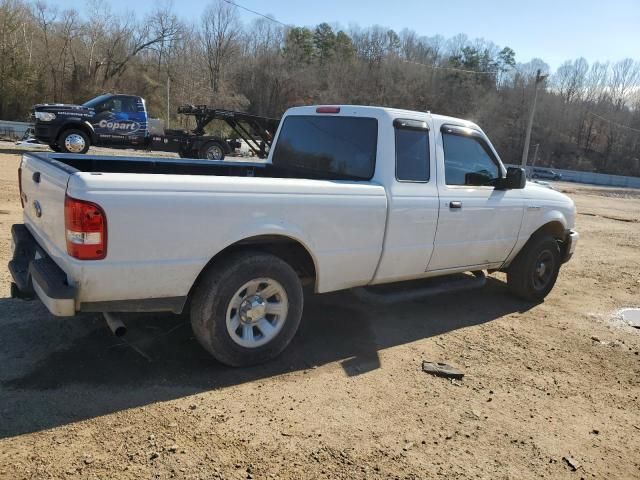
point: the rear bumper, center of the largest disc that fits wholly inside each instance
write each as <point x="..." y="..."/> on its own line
<point x="36" y="274"/>
<point x="570" y="243"/>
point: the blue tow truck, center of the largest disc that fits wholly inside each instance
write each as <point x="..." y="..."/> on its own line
<point x="121" y="121"/>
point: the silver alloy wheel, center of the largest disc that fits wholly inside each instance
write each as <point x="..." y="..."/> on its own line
<point x="214" y="152"/>
<point x="74" y="143"/>
<point x="257" y="312"/>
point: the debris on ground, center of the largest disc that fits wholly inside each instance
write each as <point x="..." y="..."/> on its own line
<point x="631" y="316"/>
<point x="441" y="370"/>
<point x="572" y="463"/>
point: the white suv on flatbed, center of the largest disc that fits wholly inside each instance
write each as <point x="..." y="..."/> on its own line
<point x="350" y="196"/>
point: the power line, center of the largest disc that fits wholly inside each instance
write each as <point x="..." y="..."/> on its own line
<point x="614" y="123"/>
<point x="255" y="13"/>
<point x="475" y="72"/>
<point x="446" y="68"/>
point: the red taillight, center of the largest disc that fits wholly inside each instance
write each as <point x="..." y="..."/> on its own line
<point x="20" y="184"/>
<point x="86" y="229"/>
<point x="328" y="110"/>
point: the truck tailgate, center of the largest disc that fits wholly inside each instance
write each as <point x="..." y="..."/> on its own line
<point x="44" y="187"/>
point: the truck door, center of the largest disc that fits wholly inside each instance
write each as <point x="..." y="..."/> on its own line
<point x="120" y="121"/>
<point x="412" y="202"/>
<point x="478" y="225"/>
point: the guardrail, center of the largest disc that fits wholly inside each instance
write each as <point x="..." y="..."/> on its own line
<point x="592" y="178"/>
<point x="13" y="130"/>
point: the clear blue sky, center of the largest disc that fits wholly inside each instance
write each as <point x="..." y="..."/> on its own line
<point x="554" y="30"/>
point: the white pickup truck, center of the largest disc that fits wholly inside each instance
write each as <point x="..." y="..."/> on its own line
<point x="350" y="196"/>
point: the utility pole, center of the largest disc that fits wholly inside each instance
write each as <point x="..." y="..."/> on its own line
<point x="535" y="158"/>
<point x="535" y="155"/>
<point x="168" y="87"/>
<point x="527" y="138"/>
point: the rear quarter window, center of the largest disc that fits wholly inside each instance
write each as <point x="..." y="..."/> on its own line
<point x="335" y="147"/>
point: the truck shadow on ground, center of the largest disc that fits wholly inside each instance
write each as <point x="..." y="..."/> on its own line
<point x="56" y="371"/>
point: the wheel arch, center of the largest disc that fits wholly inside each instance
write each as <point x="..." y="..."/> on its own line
<point x="85" y="127"/>
<point x="292" y="250"/>
<point x="554" y="226"/>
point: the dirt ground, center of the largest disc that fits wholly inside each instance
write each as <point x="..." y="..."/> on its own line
<point x="348" y="399"/>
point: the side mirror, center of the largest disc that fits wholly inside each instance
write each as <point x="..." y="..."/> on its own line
<point x="516" y="178"/>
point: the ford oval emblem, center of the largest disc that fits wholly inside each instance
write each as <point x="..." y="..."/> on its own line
<point x="38" y="208"/>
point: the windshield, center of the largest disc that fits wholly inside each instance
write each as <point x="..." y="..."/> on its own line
<point x="96" y="101"/>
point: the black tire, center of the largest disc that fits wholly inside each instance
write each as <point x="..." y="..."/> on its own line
<point x="204" y="154"/>
<point x="55" y="147"/>
<point x="62" y="141"/>
<point x="524" y="277"/>
<point x="219" y="285"/>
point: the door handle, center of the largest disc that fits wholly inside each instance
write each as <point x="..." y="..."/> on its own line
<point x="455" y="204"/>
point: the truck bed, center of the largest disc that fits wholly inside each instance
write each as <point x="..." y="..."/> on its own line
<point x="166" y="218"/>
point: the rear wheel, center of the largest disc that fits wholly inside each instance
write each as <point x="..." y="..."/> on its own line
<point x="247" y="308"/>
<point x="212" y="151"/>
<point x="73" y="141"/>
<point x="534" y="271"/>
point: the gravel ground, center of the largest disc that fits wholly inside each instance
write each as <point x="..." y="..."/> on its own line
<point x="544" y="383"/>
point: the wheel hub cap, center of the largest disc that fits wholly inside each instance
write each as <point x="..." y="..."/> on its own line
<point x="214" y="153"/>
<point x="257" y="312"/>
<point x="74" y="143"/>
<point x="543" y="270"/>
<point x="252" y="309"/>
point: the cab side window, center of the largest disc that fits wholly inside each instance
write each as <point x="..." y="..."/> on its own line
<point x="124" y="105"/>
<point x="412" y="151"/>
<point x="468" y="160"/>
<point x="106" y="106"/>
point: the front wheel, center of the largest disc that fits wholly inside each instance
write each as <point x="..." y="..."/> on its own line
<point x="247" y="308"/>
<point x="73" y="141"/>
<point x="533" y="273"/>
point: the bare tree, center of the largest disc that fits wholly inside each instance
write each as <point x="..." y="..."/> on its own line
<point x="570" y="79"/>
<point x="220" y="30"/>
<point x="625" y="78"/>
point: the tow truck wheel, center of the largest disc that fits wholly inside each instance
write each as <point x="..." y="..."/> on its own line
<point x="212" y="151"/>
<point x="247" y="308"/>
<point x="74" y="141"/>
